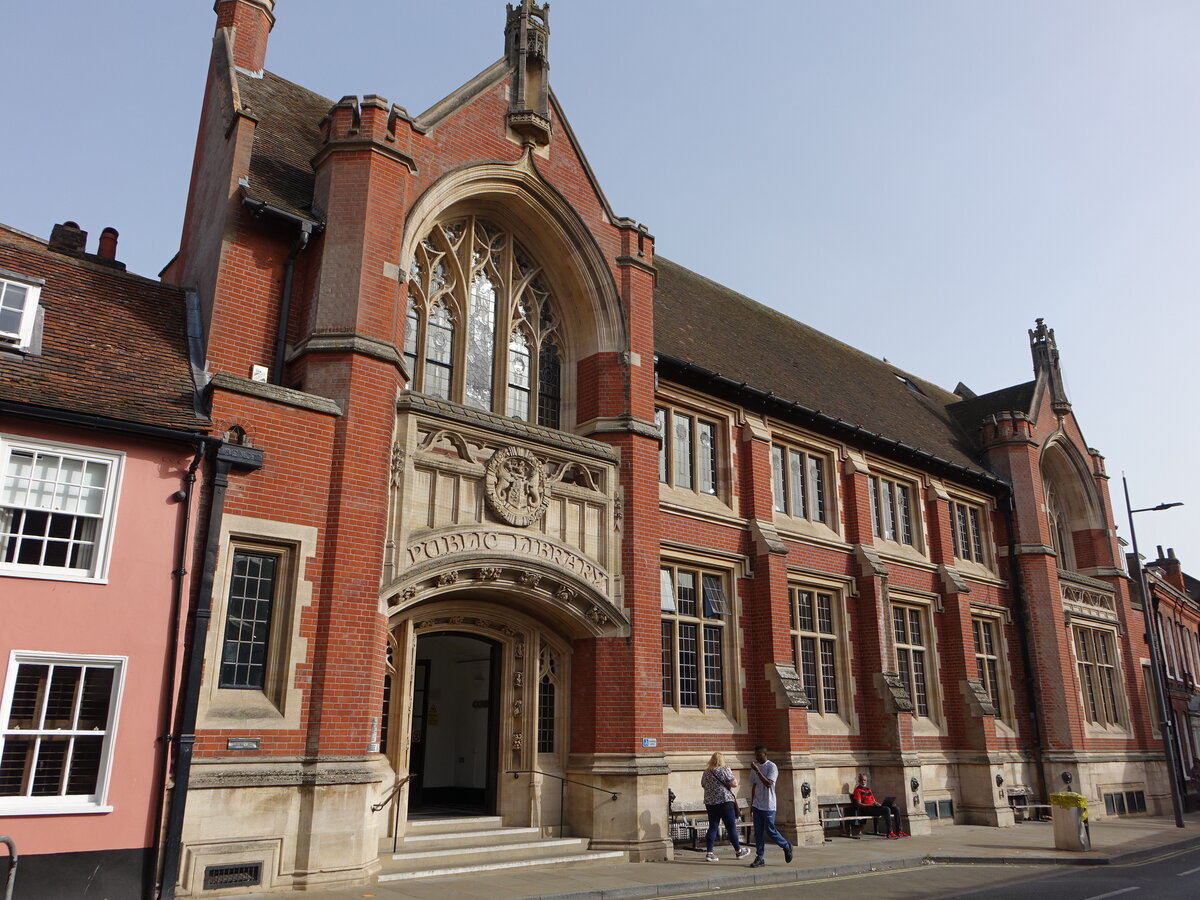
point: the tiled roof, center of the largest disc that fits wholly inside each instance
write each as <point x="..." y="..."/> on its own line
<point x="113" y="344"/>
<point x="699" y="321"/>
<point x="970" y="413"/>
<point x="696" y="320"/>
<point x="285" y="140"/>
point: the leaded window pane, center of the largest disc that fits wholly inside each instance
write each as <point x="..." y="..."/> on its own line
<point x="660" y="420"/>
<point x="686" y="582"/>
<point x="518" y="376"/>
<point x="689" y="675"/>
<point x="439" y="352"/>
<point x="549" y="385"/>
<point x="828" y="677"/>
<point x="683" y="451"/>
<point x="248" y="620"/>
<point x="706" y="457"/>
<point x="778" y="488"/>
<point x="714" y="666"/>
<point x="976" y="535"/>
<point x="481" y="341"/>
<point x="816" y="488"/>
<point x="668" y="664"/>
<point x="796" y="487"/>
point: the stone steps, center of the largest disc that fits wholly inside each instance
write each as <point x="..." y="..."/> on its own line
<point x="435" y="847"/>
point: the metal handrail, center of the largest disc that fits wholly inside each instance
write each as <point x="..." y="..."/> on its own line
<point x="515" y="772"/>
<point x="387" y="798"/>
<point x="562" y="788"/>
<point x="10" y="877"/>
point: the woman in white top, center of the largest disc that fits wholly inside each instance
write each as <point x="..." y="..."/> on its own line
<point x="718" y="783"/>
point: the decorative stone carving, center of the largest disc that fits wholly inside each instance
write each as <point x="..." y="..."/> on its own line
<point x="397" y="464"/>
<point x="518" y="742"/>
<point x="517" y="708"/>
<point x="448" y="578"/>
<point x="490" y="573"/>
<point x="515" y="486"/>
<point x="565" y="594"/>
<point x="408" y="594"/>
<point x="895" y="692"/>
<point x="530" y="579"/>
<point x="519" y="650"/>
<point x="518" y="678"/>
<point x="597" y="615"/>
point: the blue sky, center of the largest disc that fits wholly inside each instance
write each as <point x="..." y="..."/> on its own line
<point x="919" y="179"/>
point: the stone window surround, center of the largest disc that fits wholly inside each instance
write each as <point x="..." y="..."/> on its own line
<point x="1119" y="726"/>
<point x="723" y="503"/>
<point x="277" y="706"/>
<point x="934" y="724"/>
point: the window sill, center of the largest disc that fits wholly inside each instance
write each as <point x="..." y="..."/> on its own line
<point x="692" y="502"/>
<point x="695" y="721"/>
<point x="976" y="571"/>
<point x="791" y="526"/>
<point x="822" y="724"/>
<point x="1111" y="732"/>
<point x="36" y="574"/>
<point x="904" y="553"/>
<point x="923" y="726"/>
<point x="28" y="807"/>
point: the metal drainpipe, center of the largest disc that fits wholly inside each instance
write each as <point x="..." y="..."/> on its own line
<point x="181" y="551"/>
<point x="285" y="301"/>
<point x="1031" y="680"/>
<point x="226" y="456"/>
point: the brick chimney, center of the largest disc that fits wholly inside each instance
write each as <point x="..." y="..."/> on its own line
<point x="68" y="238"/>
<point x="250" y="23"/>
<point x="108" y="244"/>
<point x="1171" y="569"/>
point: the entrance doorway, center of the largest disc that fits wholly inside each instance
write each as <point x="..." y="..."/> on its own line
<point x="455" y="726"/>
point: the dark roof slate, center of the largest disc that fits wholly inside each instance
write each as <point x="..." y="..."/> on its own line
<point x="970" y="413"/>
<point x="286" y="138"/>
<point x="699" y="321"/>
<point x="113" y="344"/>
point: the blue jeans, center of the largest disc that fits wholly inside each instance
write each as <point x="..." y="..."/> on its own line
<point x="764" y="824"/>
<point x="718" y="813"/>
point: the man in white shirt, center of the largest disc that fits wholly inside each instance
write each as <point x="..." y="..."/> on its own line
<point x="762" y="804"/>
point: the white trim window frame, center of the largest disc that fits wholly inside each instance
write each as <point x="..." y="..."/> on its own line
<point x="815" y="636"/>
<point x="58" y="505"/>
<point x="59" y="716"/>
<point x="695" y="635"/>
<point x="894" y="510"/>
<point x="800" y="483"/>
<point x="1099" y="670"/>
<point x="688" y="457"/>
<point x="19" y="298"/>
<point x="968" y="532"/>
<point x="912" y="639"/>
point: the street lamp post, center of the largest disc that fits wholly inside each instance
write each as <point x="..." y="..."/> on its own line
<point x="1166" y="720"/>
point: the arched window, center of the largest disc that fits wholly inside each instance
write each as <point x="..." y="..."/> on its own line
<point x="1060" y="528"/>
<point x="470" y="273"/>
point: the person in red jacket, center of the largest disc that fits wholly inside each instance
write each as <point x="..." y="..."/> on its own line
<point x="865" y="805"/>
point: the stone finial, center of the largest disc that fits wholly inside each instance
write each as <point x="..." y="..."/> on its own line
<point x="1046" y="362"/>
<point x="527" y="50"/>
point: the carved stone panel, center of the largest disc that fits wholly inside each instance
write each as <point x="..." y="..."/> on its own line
<point x="515" y="486"/>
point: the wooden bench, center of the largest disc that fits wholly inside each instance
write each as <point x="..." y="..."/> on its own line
<point x="689" y="824"/>
<point x="837" y="810"/>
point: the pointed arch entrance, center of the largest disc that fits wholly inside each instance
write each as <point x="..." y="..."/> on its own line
<point x="479" y="709"/>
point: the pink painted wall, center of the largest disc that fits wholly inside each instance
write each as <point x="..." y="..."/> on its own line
<point x="129" y="616"/>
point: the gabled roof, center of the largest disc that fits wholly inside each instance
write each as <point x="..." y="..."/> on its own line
<point x="696" y="320"/>
<point x="112" y="344"/>
<point x="286" y="138"/>
<point x="701" y="322"/>
<point x="970" y="413"/>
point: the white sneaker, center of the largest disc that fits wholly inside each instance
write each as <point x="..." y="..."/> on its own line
<point x="743" y="853"/>
<point x="710" y="857"/>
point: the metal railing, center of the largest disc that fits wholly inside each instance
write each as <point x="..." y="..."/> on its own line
<point x="10" y="877"/>
<point x="562" y="788"/>
<point x="391" y="797"/>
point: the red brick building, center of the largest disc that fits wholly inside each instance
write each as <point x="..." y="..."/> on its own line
<point x="538" y="505"/>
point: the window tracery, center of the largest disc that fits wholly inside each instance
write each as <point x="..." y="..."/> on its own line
<point x="473" y="277"/>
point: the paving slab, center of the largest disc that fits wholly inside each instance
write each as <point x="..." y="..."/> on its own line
<point x="1114" y="841"/>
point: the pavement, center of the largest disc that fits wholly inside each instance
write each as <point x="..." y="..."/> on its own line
<point x="1115" y="841"/>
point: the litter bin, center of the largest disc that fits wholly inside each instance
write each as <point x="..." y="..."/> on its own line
<point x="1070" y="821"/>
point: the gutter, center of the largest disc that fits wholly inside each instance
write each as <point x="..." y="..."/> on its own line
<point x="223" y="458"/>
<point x="101" y="423"/>
<point x="307" y="228"/>
<point x="830" y="424"/>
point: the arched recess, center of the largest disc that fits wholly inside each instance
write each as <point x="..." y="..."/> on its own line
<point x="1071" y="504"/>
<point x="515" y="195"/>
<point x="571" y="605"/>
